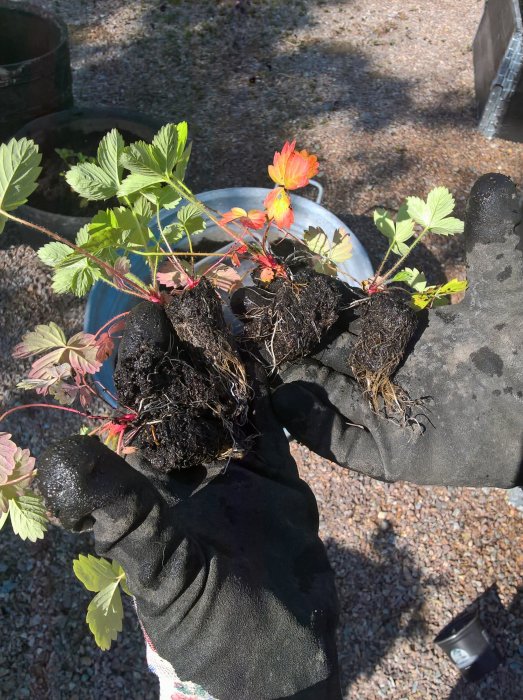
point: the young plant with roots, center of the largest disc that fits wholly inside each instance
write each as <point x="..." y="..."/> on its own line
<point x="185" y="401"/>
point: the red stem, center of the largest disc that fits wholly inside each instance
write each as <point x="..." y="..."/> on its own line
<point x="112" y="320"/>
<point x="108" y="269"/>
<point x="50" y="405"/>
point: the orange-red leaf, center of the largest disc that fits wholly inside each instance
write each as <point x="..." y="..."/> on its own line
<point x="254" y="218"/>
<point x="292" y="169"/>
<point x="278" y="205"/>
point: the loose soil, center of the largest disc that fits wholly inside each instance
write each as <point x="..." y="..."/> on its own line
<point x="189" y="387"/>
<point x="53" y="194"/>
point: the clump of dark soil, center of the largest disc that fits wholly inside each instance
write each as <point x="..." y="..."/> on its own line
<point x="288" y="317"/>
<point x="183" y="375"/>
<point x="387" y="325"/>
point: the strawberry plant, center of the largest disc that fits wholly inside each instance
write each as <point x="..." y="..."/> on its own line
<point x="187" y="403"/>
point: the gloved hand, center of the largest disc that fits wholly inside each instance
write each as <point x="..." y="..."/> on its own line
<point x="232" y="583"/>
<point x="468" y="363"/>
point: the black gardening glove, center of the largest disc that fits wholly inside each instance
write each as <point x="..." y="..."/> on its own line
<point x="468" y="364"/>
<point x="232" y="583"/>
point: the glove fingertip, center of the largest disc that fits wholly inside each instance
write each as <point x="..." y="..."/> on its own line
<point x="493" y="210"/>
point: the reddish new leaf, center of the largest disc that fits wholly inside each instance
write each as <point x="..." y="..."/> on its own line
<point x="7" y="457"/>
<point x="42" y="378"/>
<point x="224" y="277"/>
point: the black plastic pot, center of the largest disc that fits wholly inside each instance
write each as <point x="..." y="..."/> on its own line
<point x="80" y="129"/>
<point x="468" y="645"/>
<point x="35" y="71"/>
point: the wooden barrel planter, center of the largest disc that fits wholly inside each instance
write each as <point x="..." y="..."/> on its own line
<point x="35" y="70"/>
<point x="53" y="204"/>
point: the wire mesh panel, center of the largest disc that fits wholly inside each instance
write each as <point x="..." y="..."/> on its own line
<point x="498" y="69"/>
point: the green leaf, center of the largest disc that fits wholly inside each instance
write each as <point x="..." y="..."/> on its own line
<point x="435" y="296"/>
<point x="3" y="518"/>
<point x="396" y="232"/>
<point x="190" y="219"/>
<point x="109" y="154"/>
<point x="91" y="182"/>
<point x="95" y="572"/>
<point x="341" y="248"/>
<point x="19" y="170"/>
<point x="385" y="224"/>
<point x="317" y="241"/>
<point x="135" y="182"/>
<point x="54" y="253"/>
<point x="28" y="517"/>
<point x="44" y="337"/>
<point x="404" y="225"/>
<point x="419" y="211"/>
<point x="448" y="227"/>
<point x="83" y="235"/>
<point x="105" y="613"/>
<point x="165" y="147"/>
<point x="142" y="207"/>
<point x="440" y="202"/>
<point x="434" y="213"/>
<point x="140" y="158"/>
<point x="413" y="277"/>
<point x="75" y="275"/>
<point x="105" y="616"/>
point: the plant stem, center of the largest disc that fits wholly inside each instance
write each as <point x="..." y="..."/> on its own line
<point x="112" y="320"/>
<point x="51" y="405"/>
<point x="400" y="262"/>
<point x="181" y="189"/>
<point x="55" y="236"/>
<point x="21" y="478"/>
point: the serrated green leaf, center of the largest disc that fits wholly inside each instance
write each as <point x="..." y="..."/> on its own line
<point x="105" y="616"/>
<point x="440" y="202"/>
<point x="83" y="235"/>
<point x="449" y="226"/>
<point x="396" y="232"/>
<point x="109" y="154"/>
<point x="75" y="275"/>
<point x="433" y="214"/>
<point x="173" y="232"/>
<point x="413" y="277"/>
<point x="317" y="241"/>
<point x="28" y="518"/>
<point x="53" y="253"/>
<point x="404" y="225"/>
<point x="341" y="248"/>
<point x="385" y="224"/>
<point x="140" y="159"/>
<point x="3" y="518"/>
<point x="436" y="295"/>
<point x="419" y="211"/>
<point x="95" y="572"/>
<point x="44" y="337"/>
<point x="190" y="219"/>
<point x="143" y="207"/>
<point x="19" y="170"/>
<point x="136" y="182"/>
<point x="90" y="182"/>
<point x="165" y="147"/>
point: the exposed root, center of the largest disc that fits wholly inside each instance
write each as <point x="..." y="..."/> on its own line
<point x="387" y="325"/>
<point x="289" y="317"/>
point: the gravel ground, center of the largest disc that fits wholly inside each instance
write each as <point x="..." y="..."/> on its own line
<point x="382" y="91"/>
